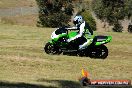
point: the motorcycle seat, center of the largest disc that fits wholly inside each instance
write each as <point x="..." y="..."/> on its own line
<point x="100" y="38"/>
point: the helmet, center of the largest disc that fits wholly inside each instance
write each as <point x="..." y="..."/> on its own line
<point x="77" y="20"/>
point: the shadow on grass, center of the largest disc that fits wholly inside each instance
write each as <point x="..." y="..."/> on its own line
<point x="5" y="84"/>
<point x="62" y="83"/>
<point x="75" y="54"/>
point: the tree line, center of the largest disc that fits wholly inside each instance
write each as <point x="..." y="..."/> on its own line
<point x="57" y="13"/>
<point x="113" y="12"/>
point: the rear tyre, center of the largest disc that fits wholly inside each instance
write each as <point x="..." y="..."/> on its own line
<point x="51" y="49"/>
<point x="98" y="52"/>
<point x="103" y="52"/>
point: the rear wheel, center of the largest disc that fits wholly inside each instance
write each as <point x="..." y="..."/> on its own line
<point x="102" y="52"/>
<point x="99" y="52"/>
<point x="51" y="49"/>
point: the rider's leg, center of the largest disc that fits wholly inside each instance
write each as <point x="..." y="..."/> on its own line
<point x="84" y="45"/>
<point x="74" y="38"/>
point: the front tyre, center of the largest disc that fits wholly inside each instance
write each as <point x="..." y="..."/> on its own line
<point x="51" y="49"/>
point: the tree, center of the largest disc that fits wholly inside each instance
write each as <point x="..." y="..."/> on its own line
<point x="112" y="11"/>
<point x="128" y="9"/>
<point x="54" y="13"/>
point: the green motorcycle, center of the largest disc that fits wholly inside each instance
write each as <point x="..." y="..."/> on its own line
<point x="59" y="44"/>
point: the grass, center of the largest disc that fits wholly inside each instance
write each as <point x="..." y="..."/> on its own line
<point x="26" y="20"/>
<point x="16" y="3"/>
<point x="24" y="64"/>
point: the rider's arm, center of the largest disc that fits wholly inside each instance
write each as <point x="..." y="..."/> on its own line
<point x="72" y="28"/>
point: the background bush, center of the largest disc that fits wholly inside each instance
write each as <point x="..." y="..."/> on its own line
<point x="54" y="20"/>
<point x="113" y="11"/>
<point x="117" y="27"/>
<point x="54" y="13"/>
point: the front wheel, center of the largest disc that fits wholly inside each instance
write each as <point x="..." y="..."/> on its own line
<point x="51" y="49"/>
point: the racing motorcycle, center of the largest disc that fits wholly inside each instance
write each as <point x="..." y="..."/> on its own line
<point x="59" y="45"/>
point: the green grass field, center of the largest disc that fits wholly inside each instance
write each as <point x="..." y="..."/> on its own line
<point x="23" y="63"/>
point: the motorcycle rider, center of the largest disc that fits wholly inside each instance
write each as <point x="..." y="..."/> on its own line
<point x="84" y="30"/>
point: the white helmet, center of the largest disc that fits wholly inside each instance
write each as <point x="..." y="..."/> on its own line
<point x="78" y="20"/>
